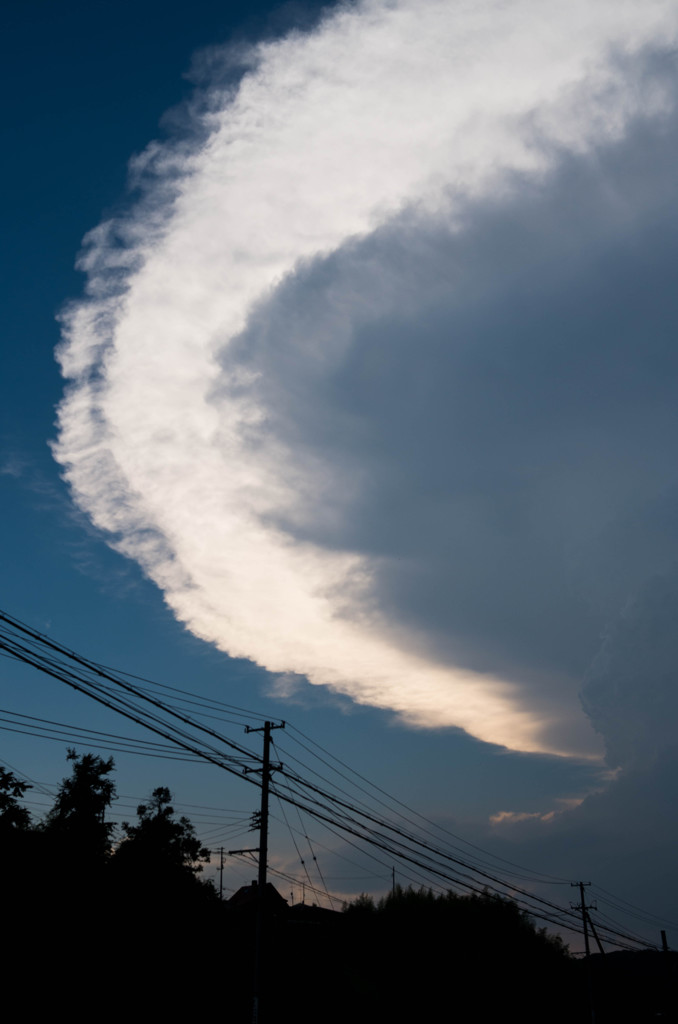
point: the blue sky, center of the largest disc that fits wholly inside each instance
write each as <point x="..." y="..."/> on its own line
<point x="374" y="389"/>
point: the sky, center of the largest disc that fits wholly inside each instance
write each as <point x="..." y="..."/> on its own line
<point x="340" y="385"/>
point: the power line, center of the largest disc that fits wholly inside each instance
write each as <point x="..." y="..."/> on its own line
<point x="417" y="846"/>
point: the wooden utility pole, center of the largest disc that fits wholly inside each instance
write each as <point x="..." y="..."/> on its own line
<point x="584" y="915"/>
<point x="585" y="921"/>
<point x="263" y="859"/>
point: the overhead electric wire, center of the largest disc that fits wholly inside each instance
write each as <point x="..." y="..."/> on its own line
<point x="293" y="838"/>
<point x="315" y="859"/>
<point x="195" y="703"/>
<point x="352" y="816"/>
<point x="532" y="903"/>
<point x="13" y="647"/>
<point x="247" y="713"/>
<point x="232" y="708"/>
<point x="529" y="874"/>
<point x="78" y="735"/>
<point x="212" y="704"/>
<point x="421" y="844"/>
<point x="341" y="856"/>
<point x="361" y="804"/>
<point x="371" y="836"/>
<point x="613" y="924"/>
<point x="39" y="786"/>
<point x="150" y="719"/>
<point x="299" y="882"/>
<point x="117" y="748"/>
<point x="345" y="835"/>
<point x="640" y="913"/>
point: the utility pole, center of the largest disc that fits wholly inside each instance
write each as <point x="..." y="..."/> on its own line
<point x="593" y="906"/>
<point x="263" y="859"/>
<point x="584" y="915"/>
<point x="221" y="874"/>
<point x="585" y="920"/>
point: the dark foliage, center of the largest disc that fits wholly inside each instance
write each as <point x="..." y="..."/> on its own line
<point x="160" y="853"/>
<point x="475" y="951"/>
<point x="13" y="816"/>
<point x="160" y="840"/>
<point x="141" y="912"/>
<point x="77" y="819"/>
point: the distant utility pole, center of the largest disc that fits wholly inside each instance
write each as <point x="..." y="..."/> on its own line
<point x="585" y="921"/>
<point x="266" y="768"/>
<point x="584" y="913"/>
<point x="586" y="917"/>
<point x="221" y="874"/>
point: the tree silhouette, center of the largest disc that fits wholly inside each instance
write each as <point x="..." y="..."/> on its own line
<point x="160" y="842"/>
<point x="13" y="817"/>
<point x="77" y="819"/>
<point x="423" y="939"/>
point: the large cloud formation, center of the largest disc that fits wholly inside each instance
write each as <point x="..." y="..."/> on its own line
<point x="375" y="380"/>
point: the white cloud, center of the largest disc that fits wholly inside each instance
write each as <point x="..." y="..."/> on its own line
<point x="387" y="110"/>
<point x="509" y="818"/>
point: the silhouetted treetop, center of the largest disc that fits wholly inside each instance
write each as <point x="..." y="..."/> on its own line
<point x="79" y="810"/>
<point x="478" y="917"/>
<point x="160" y="841"/>
<point x="13" y="816"/>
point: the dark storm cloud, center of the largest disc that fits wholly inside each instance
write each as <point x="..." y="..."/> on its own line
<point x="498" y="409"/>
<point x="631" y="691"/>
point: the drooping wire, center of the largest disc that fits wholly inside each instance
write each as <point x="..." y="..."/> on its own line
<point x="353" y="818"/>
<point x="292" y="837"/>
<point x="529" y="875"/>
<point x="308" y="840"/>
